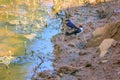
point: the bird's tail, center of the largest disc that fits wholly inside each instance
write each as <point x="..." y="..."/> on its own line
<point x="68" y="34"/>
<point x="71" y="33"/>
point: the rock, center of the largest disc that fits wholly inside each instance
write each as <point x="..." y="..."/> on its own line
<point x="66" y="69"/>
<point x="99" y="32"/>
<point x="88" y="65"/>
<point x="57" y="49"/>
<point x="81" y="45"/>
<point x="111" y="30"/>
<point x="101" y="13"/>
<point x="71" y="45"/>
<point x="105" y="45"/>
<point x="82" y="53"/>
<point x="48" y="74"/>
<point x="104" y="61"/>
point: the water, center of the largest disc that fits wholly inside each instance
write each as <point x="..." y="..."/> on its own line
<point x="18" y="21"/>
<point x="44" y="47"/>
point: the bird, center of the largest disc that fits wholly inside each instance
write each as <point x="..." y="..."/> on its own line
<point x="70" y="24"/>
<point x="78" y="30"/>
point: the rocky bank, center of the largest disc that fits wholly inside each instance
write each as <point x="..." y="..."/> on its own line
<point x="93" y="54"/>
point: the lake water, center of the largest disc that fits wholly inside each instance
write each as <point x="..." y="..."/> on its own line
<point x="27" y="32"/>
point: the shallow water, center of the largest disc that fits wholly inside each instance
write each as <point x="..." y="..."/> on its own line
<point x="15" y="26"/>
<point x="44" y="47"/>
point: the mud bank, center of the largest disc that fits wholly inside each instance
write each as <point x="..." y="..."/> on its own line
<point x="77" y="57"/>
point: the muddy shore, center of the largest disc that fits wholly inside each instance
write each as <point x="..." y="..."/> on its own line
<point x="77" y="57"/>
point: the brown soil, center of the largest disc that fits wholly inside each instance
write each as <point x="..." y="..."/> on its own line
<point x="77" y="57"/>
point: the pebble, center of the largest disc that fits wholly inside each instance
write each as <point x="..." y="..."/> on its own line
<point x="81" y="45"/>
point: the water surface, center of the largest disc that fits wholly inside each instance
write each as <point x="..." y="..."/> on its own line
<point x="26" y="31"/>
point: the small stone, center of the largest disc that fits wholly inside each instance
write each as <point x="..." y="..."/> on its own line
<point x="114" y="44"/>
<point x="105" y="45"/>
<point x="60" y="74"/>
<point x="88" y="65"/>
<point x="81" y="45"/>
<point x="104" y="61"/>
<point x="71" y="45"/>
<point x="83" y="53"/>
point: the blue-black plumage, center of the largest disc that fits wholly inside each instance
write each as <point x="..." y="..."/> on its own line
<point x="70" y="24"/>
<point x="78" y="30"/>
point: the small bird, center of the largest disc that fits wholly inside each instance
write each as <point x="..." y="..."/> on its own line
<point x="78" y="30"/>
<point x="70" y="24"/>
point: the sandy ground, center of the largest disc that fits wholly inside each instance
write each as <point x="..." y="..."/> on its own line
<point x="77" y="57"/>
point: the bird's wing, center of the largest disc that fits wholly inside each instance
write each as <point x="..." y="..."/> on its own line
<point x="70" y="24"/>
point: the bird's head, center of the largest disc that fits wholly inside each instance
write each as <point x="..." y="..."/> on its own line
<point x="81" y="28"/>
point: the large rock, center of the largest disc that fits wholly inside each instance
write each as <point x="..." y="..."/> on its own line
<point x="105" y="45"/>
<point x="108" y="31"/>
<point x="99" y="31"/>
<point x="111" y="30"/>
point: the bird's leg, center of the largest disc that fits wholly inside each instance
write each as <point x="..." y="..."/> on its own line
<point x="70" y="33"/>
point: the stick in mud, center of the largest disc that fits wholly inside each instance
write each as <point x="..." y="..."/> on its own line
<point x="36" y="68"/>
